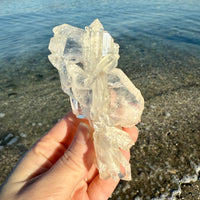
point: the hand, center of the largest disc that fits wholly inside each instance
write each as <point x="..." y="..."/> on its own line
<point x="61" y="166"/>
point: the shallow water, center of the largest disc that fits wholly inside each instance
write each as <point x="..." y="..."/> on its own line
<point x="26" y="25"/>
<point x="159" y="51"/>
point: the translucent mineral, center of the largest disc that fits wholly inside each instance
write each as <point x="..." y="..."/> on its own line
<point x="86" y="61"/>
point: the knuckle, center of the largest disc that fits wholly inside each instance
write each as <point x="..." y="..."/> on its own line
<point x="72" y="161"/>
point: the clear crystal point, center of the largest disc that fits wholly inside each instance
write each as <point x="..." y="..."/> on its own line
<point x="96" y="25"/>
<point x="87" y="61"/>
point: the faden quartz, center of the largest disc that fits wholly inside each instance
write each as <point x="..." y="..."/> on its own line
<point x="86" y="61"/>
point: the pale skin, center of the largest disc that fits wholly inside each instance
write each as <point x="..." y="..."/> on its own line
<point x="61" y="166"/>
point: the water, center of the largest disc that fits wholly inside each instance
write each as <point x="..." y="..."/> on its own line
<point x="159" y="51"/>
<point x="26" y="25"/>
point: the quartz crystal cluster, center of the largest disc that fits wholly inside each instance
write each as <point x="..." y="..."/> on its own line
<point x="86" y="61"/>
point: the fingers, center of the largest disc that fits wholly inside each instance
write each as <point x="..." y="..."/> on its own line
<point x="48" y="149"/>
<point x="63" y="132"/>
<point x="92" y="173"/>
<point x="133" y="132"/>
<point x="73" y="166"/>
<point x="101" y="189"/>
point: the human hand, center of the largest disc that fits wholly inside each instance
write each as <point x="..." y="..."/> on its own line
<point x="61" y="166"/>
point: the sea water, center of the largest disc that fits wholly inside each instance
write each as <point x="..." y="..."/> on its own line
<point x="26" y="25"/>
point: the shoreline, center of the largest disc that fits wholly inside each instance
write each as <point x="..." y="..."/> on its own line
<point x="169" y="132"/>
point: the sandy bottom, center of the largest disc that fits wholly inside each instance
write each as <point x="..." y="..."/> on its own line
<point x="166" y="158"/>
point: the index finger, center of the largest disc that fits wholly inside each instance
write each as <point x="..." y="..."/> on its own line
<point x="64" y="131"/>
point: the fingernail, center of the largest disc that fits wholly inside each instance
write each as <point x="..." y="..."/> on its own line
<point x="83" y="133"/>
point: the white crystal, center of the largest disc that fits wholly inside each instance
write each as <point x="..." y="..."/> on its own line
<point x="86" y="61"/>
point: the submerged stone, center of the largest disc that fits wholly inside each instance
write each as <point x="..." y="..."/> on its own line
<point x="86" y="61"/>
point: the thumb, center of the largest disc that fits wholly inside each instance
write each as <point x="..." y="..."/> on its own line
<point x="73" y="166"/>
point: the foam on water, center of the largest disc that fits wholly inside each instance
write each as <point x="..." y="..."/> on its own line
<point x="186" y="179"/>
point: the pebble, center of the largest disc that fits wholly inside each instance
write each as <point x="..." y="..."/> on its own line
<point x="2" y="115"/>
<point x="127" y="196"/>
<point x="126" y="187"/>
<point x="23" y="135"/>
<point x="10" y="135"/>
<point x="137" y="198"/>
<point x="172" y="171"/>
<point x="13" y="140"/>
<point x="147" y="128"/>
<point x="34" y="124"/>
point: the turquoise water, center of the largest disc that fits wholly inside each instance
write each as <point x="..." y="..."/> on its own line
<point x="26" y="25"/>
